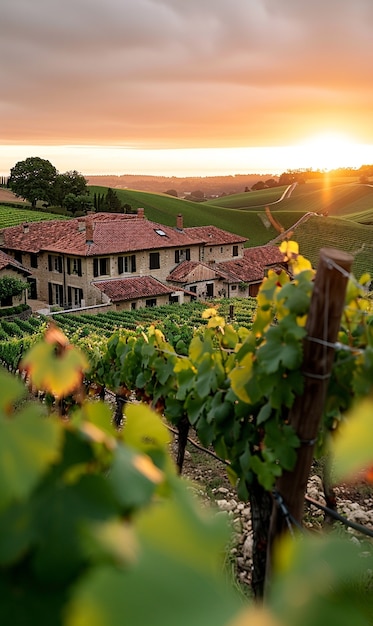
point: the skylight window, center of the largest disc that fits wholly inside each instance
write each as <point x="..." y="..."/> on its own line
<point x="160" y="232"/>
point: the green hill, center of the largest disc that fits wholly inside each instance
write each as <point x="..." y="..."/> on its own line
<point x="347" y="222"/>
<point x="164" y="209"/>
<point x="333" y="232"/>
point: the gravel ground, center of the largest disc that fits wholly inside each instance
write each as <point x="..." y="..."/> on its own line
<point x="212" y="486"/>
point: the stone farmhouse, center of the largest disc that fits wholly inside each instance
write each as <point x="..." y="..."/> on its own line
<point x="127" y="261"/>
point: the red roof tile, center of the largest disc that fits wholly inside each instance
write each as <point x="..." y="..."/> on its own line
<point x="251" y="268"/>
<point x="122" y="289"/>
<point x="8" y="261"/>
<point x="182" y="273"/>
<point x="213" y="235"/>
<point x="110" y="234"/>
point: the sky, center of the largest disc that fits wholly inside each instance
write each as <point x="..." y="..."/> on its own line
<point x="186" y="87"/>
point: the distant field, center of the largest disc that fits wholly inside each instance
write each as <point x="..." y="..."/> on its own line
<point x="249" y="200"/>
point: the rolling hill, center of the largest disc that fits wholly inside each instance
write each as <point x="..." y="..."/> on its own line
<point x="318" y="214"/>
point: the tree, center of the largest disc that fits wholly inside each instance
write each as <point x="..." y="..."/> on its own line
<point x="82" y="203"/>
<point x="112" y="202"/>
<point x="10" y="287"/>
<point x="258" y="186"/>
<point x="172" y="192"/>
<point x="33" y="180"/>
<point x="69" y="183"/>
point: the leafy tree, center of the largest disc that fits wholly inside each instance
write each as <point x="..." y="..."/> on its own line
<point x="69" y="183"/>
<point x="33" y="180"/>
<point x="10" y="286"/>
<point x="75" y="203"/>
<point x="258" y="186"/>
<point x="172" y="192"/>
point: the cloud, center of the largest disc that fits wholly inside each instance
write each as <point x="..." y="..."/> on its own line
<point x="189" y="73"/>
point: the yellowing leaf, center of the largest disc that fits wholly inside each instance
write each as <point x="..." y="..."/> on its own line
<point x="208" y="313"/>
<point x="289" y="249"/>
<point x="240" y="375"/>
<point x="216" y="322"/>
<point x="58" y="374"/>
<point x="353" y="445"/>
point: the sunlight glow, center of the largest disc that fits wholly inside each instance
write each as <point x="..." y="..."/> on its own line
<point x="331" y="150"/>
<point x="320" y="152"/>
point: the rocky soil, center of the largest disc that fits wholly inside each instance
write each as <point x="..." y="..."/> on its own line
<point x="210" y="483"/>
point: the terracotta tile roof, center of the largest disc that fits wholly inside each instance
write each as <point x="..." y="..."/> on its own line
<point x="8" y="261"/>
<point x="251" y="268"/>
<point x="110" y="233"/>
<point x="190" y="271"/>
<point x="122" y="289"/>
<point x="213" y="235"/>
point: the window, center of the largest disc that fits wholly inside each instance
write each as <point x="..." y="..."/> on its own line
<point x="55" y="294"/>
<point x="101" y="266"/>
<point x="154" y="263"/>
<point x="182" y="255"/>
<point x="235" y="251"/>
<point x="33" y="259"/>
<point x="233" y="287"/>
<point x="33" y="291"/>
<point x="74" y="266"/>
<point x="160" y="232"/>
<point x="18" y="256"/>
<point x="174" y="299"/>
<point x="54" y="263"/>
<point x="7" y="301"/>
<point x="193" y="288"/>
<point x="133" y="306"/>
<point x="74" y="296"/>
<point x="210" y="290"/>
<point x="127" y="264"/>
<point x="151" y="302"/>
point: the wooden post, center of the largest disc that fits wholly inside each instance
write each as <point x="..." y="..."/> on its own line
<point x="322" y="327"/>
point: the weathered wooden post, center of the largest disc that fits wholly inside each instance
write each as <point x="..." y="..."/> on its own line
<point x="322" y="327"/>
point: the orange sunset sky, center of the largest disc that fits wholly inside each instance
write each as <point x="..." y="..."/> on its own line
<point x="186" y="87"/>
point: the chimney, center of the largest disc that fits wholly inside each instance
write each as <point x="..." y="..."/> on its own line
<point x="140" y="213"/>
<point x="179" y="222"/>
<point x="81" y="226"/>
<point x="25" y="228"/>
<point x="89" y="226"/>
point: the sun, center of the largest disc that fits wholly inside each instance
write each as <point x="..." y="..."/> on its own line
<point x="331" y="150"/>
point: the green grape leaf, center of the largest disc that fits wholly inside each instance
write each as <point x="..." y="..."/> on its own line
<point x="279" y="350"/>
<point x="16" y="532"/>
<point x="282" y="441"/>
<point x="321" y="580"/>
<point x="60" y="513"/>
<point x="266" y="471"/>
<point x="144" y="429"/>
<point x="133" y="478"/>
<point x="176" y="544"/>
<point x="29" y="444"/>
